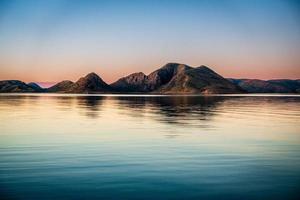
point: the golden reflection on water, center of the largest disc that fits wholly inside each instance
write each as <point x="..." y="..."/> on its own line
<point x="186" y="116"/>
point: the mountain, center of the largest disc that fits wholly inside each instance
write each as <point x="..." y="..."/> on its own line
<point x="292" y="85"/>
<point x="172" y="78"/>
<point x="199" y="80"/>
<point x="15" y="86"/>
<point x="139" y="82"/>
<point x="270" y="86"/>
<point x="36" y="87"/>
<point x="176" y="78"/>
<point x="164" y="75"/>
<point x="91" y="83"/>
<point x="136" y="82"/>
<point x="62" y="86"/>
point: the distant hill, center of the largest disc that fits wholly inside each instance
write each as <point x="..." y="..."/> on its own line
<point x="172" y="78"/>
<point x="136" y="82"/>
<point x="62" y="86"/>
<point x="199" y="80"/>
<point x="139" y="82"/>
<point x="36" y="87"/>
<point x="270" y="86"/>
<point x="91" y="83"/>
<point x="176" y="78"/>
<point x="18" y="86"/>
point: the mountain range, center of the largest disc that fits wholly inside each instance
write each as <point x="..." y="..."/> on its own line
<point x="172" y="78"/>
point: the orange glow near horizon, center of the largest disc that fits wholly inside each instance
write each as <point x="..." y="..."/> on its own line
<point x="51" y="41"/>
<point x="113" y="73"/>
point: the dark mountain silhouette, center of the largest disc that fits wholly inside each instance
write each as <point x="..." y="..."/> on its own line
<point x="91" y="83"/>
<point x="15" y="86"/>
<point x="62" y="86"/>
<point x="136" y="82"/>
<point x="292" y="85"/>
<point x="270" y="86"/>
<point x="165" y="74"/>
<point x="199" y="80"/>
<point x="36" y="87"/>
<point x="177" y="78"/>
<point x="172" y="78"/>
<point x="139" y="82"/>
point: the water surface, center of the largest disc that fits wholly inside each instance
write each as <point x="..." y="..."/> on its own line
<point x="149" y="147"/>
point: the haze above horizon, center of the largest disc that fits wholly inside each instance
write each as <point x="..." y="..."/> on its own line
<point x="54" y="40"/>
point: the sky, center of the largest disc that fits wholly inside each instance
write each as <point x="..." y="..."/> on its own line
<point x="54" y="40"/>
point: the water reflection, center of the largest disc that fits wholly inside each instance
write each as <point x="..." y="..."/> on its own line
<point x="166" y="109"/>
<point x="177" y="109"/>
<point x="173" y="110"/>
<point x="90" y="105"/>
<point x="15" y="101"/>
<point x="101" y="147"/>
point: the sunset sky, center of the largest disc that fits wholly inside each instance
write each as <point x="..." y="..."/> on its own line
<point x="53" y="40"/>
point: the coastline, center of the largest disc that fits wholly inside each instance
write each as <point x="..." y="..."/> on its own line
<point x="153" y="95"/>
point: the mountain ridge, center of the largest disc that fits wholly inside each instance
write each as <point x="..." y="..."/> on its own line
<point x="91" y="83"/>
<point x="199" y="80"/>
<point x="268" y="86"/>
<point x="151" y="82"/>
<point x="171" y="78"/>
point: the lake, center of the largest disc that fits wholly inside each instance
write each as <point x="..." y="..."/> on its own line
<point x="149" y="147"/>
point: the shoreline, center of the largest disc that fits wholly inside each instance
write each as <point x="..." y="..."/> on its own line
<point x="154" y="95"/>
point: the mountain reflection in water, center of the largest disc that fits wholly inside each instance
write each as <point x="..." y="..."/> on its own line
<point x="149" y="147"/>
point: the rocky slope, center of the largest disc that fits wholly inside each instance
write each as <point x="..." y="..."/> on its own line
<point x="91" y="83"/>
<point x="62" y="86"/>
<point x="136" y="82"/>
<point x="291" y="85"/>
<point x="139" y="82"/>
<point x="16" y="86"/>
<point x="199" y="80"/>
<point x="36" y="87"/>
<point x="177" y="78"/>
<point x="172" y="78"/>
<point x="270" y="86"/>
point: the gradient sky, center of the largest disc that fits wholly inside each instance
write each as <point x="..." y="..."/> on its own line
<point x="53" y="40"/>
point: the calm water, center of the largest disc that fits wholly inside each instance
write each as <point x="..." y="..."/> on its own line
<point x="142" y="147"/>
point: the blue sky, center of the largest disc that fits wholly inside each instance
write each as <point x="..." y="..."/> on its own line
<point x="51" y="40"/>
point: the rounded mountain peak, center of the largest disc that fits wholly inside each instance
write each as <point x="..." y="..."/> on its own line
<point x="89" y="84"/>
<point x="90" y="78"/>
<point x="92" y="75"/>
<point x="173" y="65"/>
